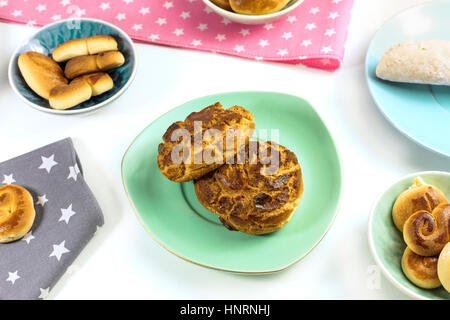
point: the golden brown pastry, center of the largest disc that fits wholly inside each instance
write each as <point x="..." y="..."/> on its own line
<point x="426" y="234"/>
<point x="88" y="64"/>
<point x="67" y="96"/>
<point x="419" y="196"/>
<point x="79" y="90"/>
<point x="422" y="271"/>
<point x="443" y="267"/>
<point x="257" y="195"/>
<point x="190" y="149"/>
<point x="84" y="46"/>
<point x="257" y="7"/>
<point x="425" y="61"/>
<point x="40" y="72"/>
<point x="100" y="82"/>
<point x="16" y="212"/>
<point x="224" y="4"/>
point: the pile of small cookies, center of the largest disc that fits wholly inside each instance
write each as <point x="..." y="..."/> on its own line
<point x="252" y="7"/>
<point x="238" y="180"/>
<point x="86" y="60"/>
<point x="422" y="213"/>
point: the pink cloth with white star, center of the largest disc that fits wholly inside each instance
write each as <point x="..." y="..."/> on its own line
<point x="313" y="34"/>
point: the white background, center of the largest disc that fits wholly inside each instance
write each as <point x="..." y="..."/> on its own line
<point x="124" y="262"/>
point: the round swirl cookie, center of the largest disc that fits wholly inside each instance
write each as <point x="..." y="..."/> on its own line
<point x="16" y="212"/>
<point x="422" y="271"/>
<point x="198" y="145"/>
<point x="256" y="194"/>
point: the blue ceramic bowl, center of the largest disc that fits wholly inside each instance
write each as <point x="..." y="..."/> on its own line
<point x="52" y="35"/>
<point x="421" y="112"/>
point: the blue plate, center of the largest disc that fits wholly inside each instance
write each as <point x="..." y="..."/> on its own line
<point x="52" y="35"/>
<point x="421" y="112"/>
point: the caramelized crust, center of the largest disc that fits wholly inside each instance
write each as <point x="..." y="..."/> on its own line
<point x="224" y="4"/>
<point x="197" y="142"/>
<point x="420" y="196"/>
<point x="16" y="212"/>
<point x="257" y="7"/>
<point x="426" y="234"/>
<point x="249" y="195"/>
<point x="422" y="271"/>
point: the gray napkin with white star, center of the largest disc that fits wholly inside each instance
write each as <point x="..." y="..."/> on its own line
<point x="67" y="217"/>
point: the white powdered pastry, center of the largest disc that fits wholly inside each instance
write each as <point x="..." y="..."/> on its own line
<point x="426" y="62"/>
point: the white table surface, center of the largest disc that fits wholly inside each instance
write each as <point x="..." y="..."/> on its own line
<point x="123" y="262"/>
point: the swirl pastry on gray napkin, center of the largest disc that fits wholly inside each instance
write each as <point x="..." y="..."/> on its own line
<point x="67" y="216"/>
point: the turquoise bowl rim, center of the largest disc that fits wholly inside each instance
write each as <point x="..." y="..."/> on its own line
<point x="373" y="95"/>
<point x="77" y="111"/>
<point x="388" y="275"/>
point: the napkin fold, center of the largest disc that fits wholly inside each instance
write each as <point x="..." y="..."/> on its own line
<point x="67" y="217"/>
<point x="314" y="34"/>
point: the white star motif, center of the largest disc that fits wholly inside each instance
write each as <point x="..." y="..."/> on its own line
<point x="291" y="19"/>
<point x="268" y="26"/>
<point x="310" y="26"/>
<point x="44" y="293"/>
<point x="161" y="21"/>
<point x="207" y="10"/>
<point x="333" y="15"/>
<point x="225" y="21"/>
<point x="3" y="3"/>
<point x="287" y="35"/>
<point x="66" y="214"/>
<point x="104" y="6"/>
<point x="41" y="7"/>
<point x="220" y="37"/>
<point x="202" y="26"/>
<point x="168" y="4"/>
<point x="42" y="200"/>
<point x="306" y="43"/>
<point x="48" y="163"/>
<point x="65" y="2"/>
<point x="136" y="27"/>
<point x="31" y="23"/>
<point x="56" y="17"/>
<point x="314" y="10"/>
<point x="8" y="179"/>
<point x="245" y="32"/>
<point x="154" y="37"/>
<point x="336" y="1"/>
<point x="178" y="32"/>
<point x="263" y="43"/>
<point x="282" y="52"/>
<point x="128" y="1"/>
<point x="185" y="15"/>
<point x="17" y="13"/>
<point x="28" y="237"/>
<point x="196" y="42"/>
<point x="326" y="49"/>
<point x="330" y="32"/>
<point x="121" y="16"/>
<point x="12" y="277"/>
<point x="239" y="48"/>
<point x="144" y="11"/>
<point x="59" y="250"/>
<point x="81" y="12"/>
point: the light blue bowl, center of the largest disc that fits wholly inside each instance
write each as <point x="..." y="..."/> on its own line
<point x="421" y="112"/>
<point x="52" y="35"/>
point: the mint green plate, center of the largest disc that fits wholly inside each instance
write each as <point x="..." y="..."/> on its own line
<point x="386" y="242"/>
<point x="421" y="112"/>
<point x="170" y="211"/>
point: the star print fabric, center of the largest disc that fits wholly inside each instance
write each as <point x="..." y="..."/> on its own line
<point x="313" y="34"/>
<point x="67" y="216"/>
